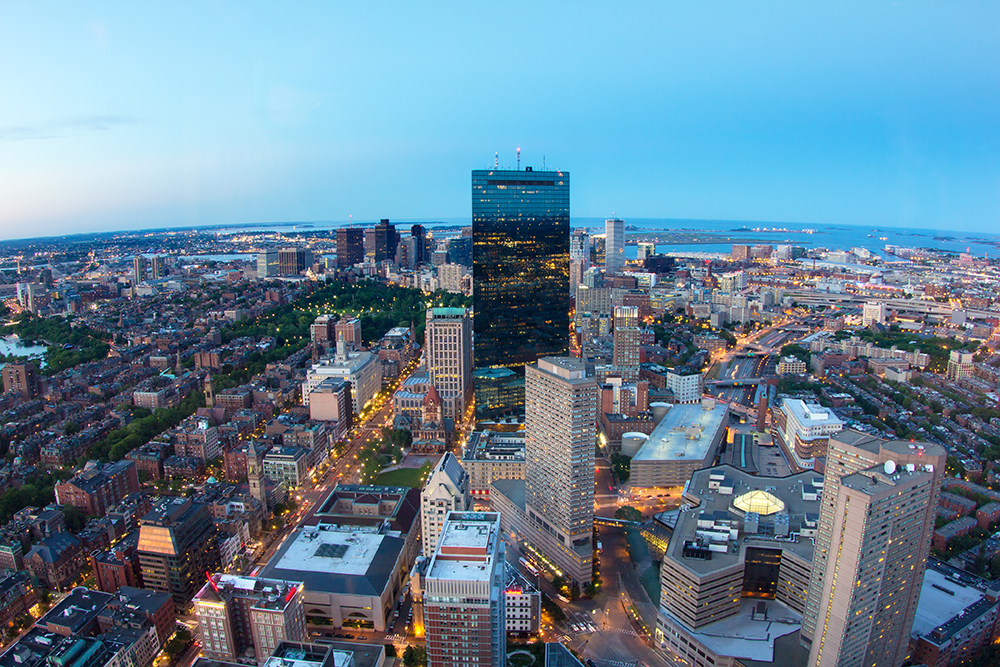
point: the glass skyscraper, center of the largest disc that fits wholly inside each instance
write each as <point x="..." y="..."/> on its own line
<point x="520" y="238"/>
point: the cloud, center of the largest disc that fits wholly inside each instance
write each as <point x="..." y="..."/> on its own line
<point x="63" y="128"/>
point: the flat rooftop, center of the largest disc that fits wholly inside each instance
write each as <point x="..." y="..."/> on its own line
<point x="744" y="635"/>
<point x="810" y="414"/>
<point x="942" y="599"/>
<point x="798" y="513"/>
<point x="686" y="433"/>
<point x="354" y="560"/>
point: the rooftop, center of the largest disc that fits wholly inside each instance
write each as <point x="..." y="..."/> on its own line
<point x="686" y="433"/>
<point x="810" y="414"/>
<point x="946" y="605"/>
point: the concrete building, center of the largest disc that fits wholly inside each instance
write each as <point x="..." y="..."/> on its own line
<point x="614" y="245"/>
<point x="464" y="604"/>
<point x="686" y="439"/>
<point x="21" y="378"/>
<point x="873" y="313"/>
<point x="177" y="545"/>
<point x="686" y="388"/>
<point x="806" y="428"/>
<point x="361" y="369"/>
<point x="330" y="401"/>
<point x="350" y="327"/>
<point x="241" y="614"/>
<point x="492" y="455"/>
<point x="446" y="490"/>
<point x="878" y="511"/>
<point x="960" y="365"/>
<point x="287" y="465"/>
<point x="791" y="366"/>
<point x="448" y="357"/>
<point x="730" y="283"/>
<point x="553" y="508"/>
<point x="735" y="571"/>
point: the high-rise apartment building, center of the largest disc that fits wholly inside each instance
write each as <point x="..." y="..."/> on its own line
<point x="156" y="267"/>
<point x="448" y="355"/>
<point x="960" y="365"/>
<point x="626" y="342"/>
<point x="876" y="519"/>
<point x="237" y="613"/>
<point x="22" y="378"/>
<point x="521" y="279"/>
<point x="557" y="517"/>
<point x="293" y="261"/>
<point x="464" y="604"/>
<point x="446" y="490"/>
<point x="177" y="545"/>
<point x="350" y="247"/>
<point x="267" y="263"/>
<point x="614" y="245"/>
<point x="579" y="246"/>
<point x="139" y="269"/>
<point x="873" y="313"/>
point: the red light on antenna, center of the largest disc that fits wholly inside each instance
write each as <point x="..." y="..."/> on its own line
<point x="291" y="593"/>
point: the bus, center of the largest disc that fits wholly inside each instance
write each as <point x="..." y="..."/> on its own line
<point x="599" y="548"/>
<point x="528" y="566"/>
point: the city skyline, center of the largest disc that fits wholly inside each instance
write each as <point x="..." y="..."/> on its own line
<point x="760" y="112"/>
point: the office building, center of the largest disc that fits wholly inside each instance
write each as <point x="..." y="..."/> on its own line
<point x="741" y="253"/>
<point x="492" y="455"/>
<point x="287" y="465"/>
<point x="625" y="356"/>
<point x="523" y="603"/>
<point x="140" y="269"/>
<point x="877" y="514"/>
<point x="553" y="508"/>
<point x="448" y="356"/>
<point x="446" y="490"/>
<point x="460" y="251"/>
<point x="730" y="283"/>
<point x="464" y="604"/>
<point x="645" y="251"/>
<point x="237" y="613"/>
<point x="521" y="279"/>
<point x="419" y="235"/>
<point x="21" y="378"/>
<point x="330" y="401"/>
<point x="361" y="369"/>
<point x="380" y="242"/>
<point x="352" y="554"/>
<point x="686" y="388"/>
<point x="267" y="264"/>
<point x="350" y="247"/>
<point x="177" y="545"/>
<point x="806" y="428"/>
<point x="579" y="247"/>
<point x="873" y="313"/>
<point x="293" y="261"/>
<point x="614" y="246"/>
<point x="736" y="568"/>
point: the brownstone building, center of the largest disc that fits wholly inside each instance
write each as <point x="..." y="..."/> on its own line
<point x="97" y="489"/>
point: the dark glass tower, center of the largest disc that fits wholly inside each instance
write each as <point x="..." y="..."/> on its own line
<point x="520" y="239"/>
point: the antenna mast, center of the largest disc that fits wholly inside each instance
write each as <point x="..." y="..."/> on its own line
<point x="496" y="160"/>
<point x="519" y="158"/>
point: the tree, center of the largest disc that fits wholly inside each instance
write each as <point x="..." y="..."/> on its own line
<point x="628" y="513"/>
<point x="76" y="520"/>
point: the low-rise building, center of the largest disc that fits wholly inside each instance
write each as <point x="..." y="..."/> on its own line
<point x="492" y="455"/>
<point x="686" y="439"/>
<point x="99" y="487"/>
<point x="287" y="465"/>
<point x="960" y="527"/>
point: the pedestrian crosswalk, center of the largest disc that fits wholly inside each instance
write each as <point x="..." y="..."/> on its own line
<point x="395" y="638"/>
<point x="614" y="663"/>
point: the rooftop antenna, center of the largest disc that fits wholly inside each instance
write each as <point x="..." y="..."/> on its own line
<point x="543" y="161"/>
<point x="496" y="160"/>
<point x="519" y="158"/>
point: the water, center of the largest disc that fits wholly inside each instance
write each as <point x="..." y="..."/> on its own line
<point x="11" y="345"/>
<point x="831" y="237"/>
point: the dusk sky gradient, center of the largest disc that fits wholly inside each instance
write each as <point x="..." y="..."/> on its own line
<point x="132" y="115"/>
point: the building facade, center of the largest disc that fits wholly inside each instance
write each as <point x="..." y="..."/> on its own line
<point x="614" y="245"/>
<point x="446" y="490"/>
<point x="520" y="236"/>
<point x="448" y="356"/>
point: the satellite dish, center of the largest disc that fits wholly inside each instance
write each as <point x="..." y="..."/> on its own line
<point x="890" y="467"/>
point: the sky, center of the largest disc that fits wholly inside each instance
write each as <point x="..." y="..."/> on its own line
<point x="167" y="114"/>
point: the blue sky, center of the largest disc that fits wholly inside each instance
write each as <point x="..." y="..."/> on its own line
<point x="131" y="115"/>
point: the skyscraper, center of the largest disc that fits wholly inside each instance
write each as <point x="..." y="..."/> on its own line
<point x="448" y="355"/>
<point x="380" y="241"/>
<point x="553" y="509"/>
<point x="626" y="342"/>
<point x="419" y="234"/>
<point x="293" y="261"/>
<point x="177" y="545"/>
<point x="267" y="263"/>
<point x="614" y="248"/>
<point x="464" y="604"/>
<point x="521" y="279"/>
<point x="877" y="515"/>
<point x="156" y="267"/>
<point x="139" y="265"/>
<point x="446" y="490"/>
<point x="350" y="247"/>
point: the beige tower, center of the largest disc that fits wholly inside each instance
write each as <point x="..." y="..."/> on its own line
<point x="448" y="355"/>
<point x="876" y="519"/>
<point x="560" y="429"/>
<point x="626" y="342"/>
